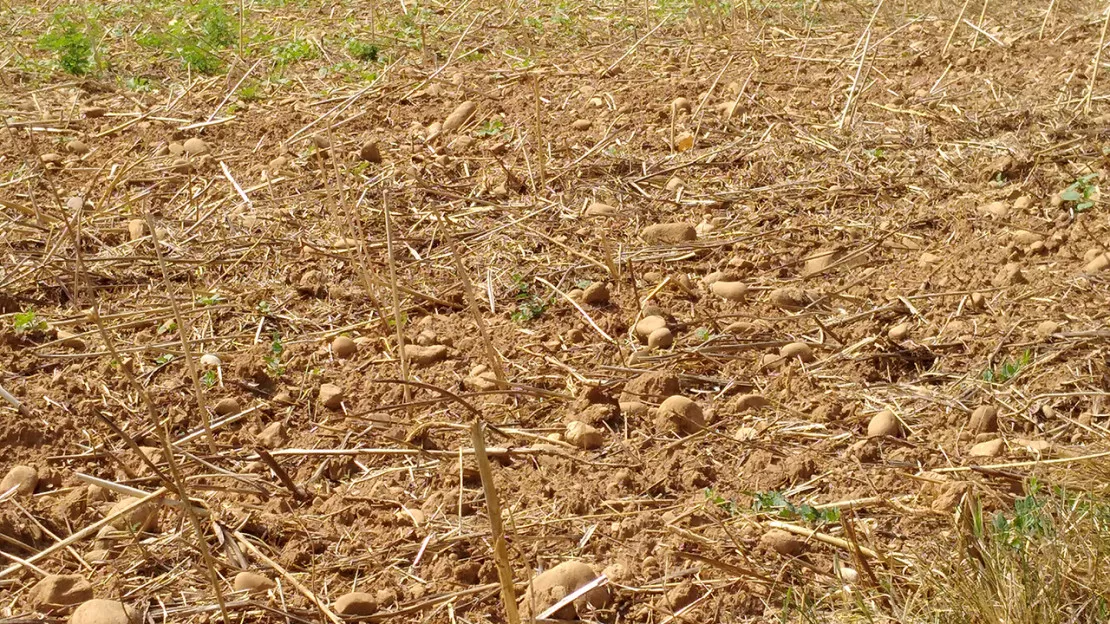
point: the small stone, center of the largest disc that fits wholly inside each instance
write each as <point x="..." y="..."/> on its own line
<point x="882" y="424"/>
<point x="797" y="350"/>
<point x="788" y="298"/>
<point x="195" y="147"/>
<point x="94" y="112"/>
<point x="58" y="591"/>
<point x="785" y="544"/>
<point x="997" y="209"/>
<point x="1023" y="203"/>
<point x="252" y="582"/>
<point x="928" y="259"/>
<point x="101" y="611"/>
<point x="370" y="153"/>
<point x="320" y="142"/>
<point x="978" y="301"/>
<point x="273" y="435"/>
<point x="1025" y="237"/>
<point x="23" y="478"/>
<point x="343" y="347"/>
<point x="1045" y="329"/>
<point x="180" y="165"/>
<point x="596" y="294"/>
<point x="669" y="233"/>
<point x="730" y="291"/>
<point x="78" y="147"/>
<point x="661" y="338"/>
<point x="554" y="584"/>
<point x="683" y="141"/>
<point x="210" y="360"/>
<point x="675" y="183"/>
<point x="584" y="436"/>
<point x="1098" y="263"/>
<point x="633" y="408"/>
<point x="820" y="261"/>
<point x="747" y="402"/>
<point x="581" y="124"/>
<point x="136" y="520"/>
<point x="1009" y="275"/>
<point x="98" y="556"/>
<point x="598" y="209"/>
<point x="899" y="332"/>
<point x="356" y="604"/>
<point x="651" y="387"/>
<point x="136" y="229"/>
<point x="990" y="448"/>
<point x="984" y="419"/>
<point x="176" y="148"/>
<point x="229" y="405"/>
<point x="681" y="104"/>
<point x="421" y="355"/>
<point x="331" y="396"/>
<point x="647" y="325"/>
<point x="684" y="415"/>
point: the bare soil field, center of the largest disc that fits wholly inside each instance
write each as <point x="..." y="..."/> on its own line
<point x="660" y="312"/>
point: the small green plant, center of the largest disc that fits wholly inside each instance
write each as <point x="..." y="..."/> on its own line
<point x="166" y="327"/>
<point x="274" y="366"/>
<point x="207" y="300"/>
<point x="528" y="305"/>
<point x="876" y="154"/>
<point x="1029" y="520"/>
<point x="138" y="84"/>
<point x="717" y="500"/>
<point x="209" y="378"/>
<point x="777" y="504"/>
<point x="492" y="127"/>
<point x="263" y="308"/>
<point x="27" y="322"/>
<point x="293" y="51"/>
<point x="1081" y="192"/>
<point x="71" y="43"/>
<point x="250" y="92"/>
<point x="363" y="51"/>
<point x="163" y="359"/>
<point x="1009" y="369"/>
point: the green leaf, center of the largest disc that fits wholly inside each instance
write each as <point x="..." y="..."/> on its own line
<point x="1071" y="194"/>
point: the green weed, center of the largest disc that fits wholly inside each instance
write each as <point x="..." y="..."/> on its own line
<point x="1081" y="192"/>
<point x="492" y="127"/>
<point x="363" y="51"/>
<point x="70" y="39"/>
<point x="27" y="322"/>
<point x="528" y="305"/>
<point x="777" y="504"/>
<point x="209" y="378"/>
<point x="274" y="367"/>
<point x="293" y="51"/>
<point x="1008" y="370"/>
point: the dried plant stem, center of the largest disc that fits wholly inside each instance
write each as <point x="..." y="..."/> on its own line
<point x="396" y="296"/>
<point x="493" y="508"/>
<point x="955" y="25"/>
<point x="1098" y="59"/>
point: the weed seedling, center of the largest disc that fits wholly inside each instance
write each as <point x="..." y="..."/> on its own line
<point x="71" y="44"/>
<point x="273" y="359"/>
<point x="363" y="51"/>
<point x="27" y="322"/>
<point x="1008" y="370"/>
<point x="1081" y="192"/>
<point x="528" y="305"/>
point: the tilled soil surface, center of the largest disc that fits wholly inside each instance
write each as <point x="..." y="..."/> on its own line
<point x="886" y="267"/>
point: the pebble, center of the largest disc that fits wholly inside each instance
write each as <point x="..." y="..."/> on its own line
<point x="675" y="183"/>
<point x="899" y="332"/>
<point x="356" y="604"/>
<point x="195" y="147"/>
<point x="797" y="350"/>
<point x="138" y="519"/>
<point x="23" y="478"/>
<point x="1009" y="275"/>
<point x="1045" y="329"/>
<point x="136" y="229"/>
<point x="252" y="582"/>
<point x="421" y="355"/>
<point x="730" y="291"/>
<point x="984" y="419"/>
<point x="210" y="360"/>
<point x="647" y="325"/>
<point x="101" y="611"/>
<point x="229" y="405"/>
<point x="1098" y="263"/>
<point x="331" y="396"/>
<point x="884" y="423"/>
<point x="684" y="415"/>
<point x="750" y="402"/>
<point x="785" y="544"/>
<point x="997" y="209"/>
<point x="672" y="233"/>
<point x="661" y="338"/>
<point x="550" y="586"/>
<point x="990" y="448"/>
<point x="583" y="435"/>
<point x="1023" y="203"/>
<point x="581" y="124"/>
<point x="273" y="435"/>
<point x="343" y="347"/>
<point x="596" y="293"/>
<point x="93" y="112"/>
<point x="598" y="209"/>
<point x="370" y="153"/>
<point x="78" y="147"/>
<point x="58" y="591"/>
